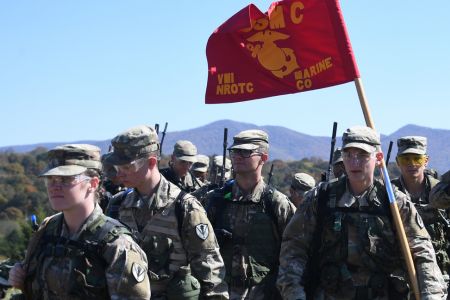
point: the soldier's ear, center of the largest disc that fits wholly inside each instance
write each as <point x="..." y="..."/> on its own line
<point x="153" y="161"/>
<point x="94" y="181"/>
<point x="265" y="157"/>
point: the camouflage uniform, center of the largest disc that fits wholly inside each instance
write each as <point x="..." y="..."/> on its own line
<point x="99" y="261"/>
<point x="440" y="194"/>
<point x="60" y="268"/>
<point x="186" y="151"/>
<point x="216" y="169"/>
<point x="249" y="228"/>
<point x="187" y="184"/>
<point x="341" y="246"/>
<point x="202" y="166"/>
<point x="5" y="266"/>
<point x="171" y="225"/>
<point x="434" y="219"/>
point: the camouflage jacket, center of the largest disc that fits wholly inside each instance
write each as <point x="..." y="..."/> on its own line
<point x="356" y="263"/>
<point x="440" y="194"/>
<point x="435" y="220"/>
<point x="188" y="184"/>
<point x="249" y="229"/>
<point x="64" y="266"/>
<point x="421" y="199"/>
<point x="168" y="245"/>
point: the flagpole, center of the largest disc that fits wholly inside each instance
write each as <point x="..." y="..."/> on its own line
<point x="393" y="204"/>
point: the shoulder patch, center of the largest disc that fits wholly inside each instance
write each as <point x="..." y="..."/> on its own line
<point x="202" y="231"/>
<point x="138" y="272"/>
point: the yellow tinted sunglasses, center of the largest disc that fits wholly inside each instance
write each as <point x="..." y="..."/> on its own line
<point x="412" y="159"/>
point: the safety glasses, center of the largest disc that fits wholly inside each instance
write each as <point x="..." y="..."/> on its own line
<point x="412" y="159"/>
<point x="65" y="181"/>
<point x="243" y="153"/>
<point x="132" y="167"/>
<point x="357" y="157"/>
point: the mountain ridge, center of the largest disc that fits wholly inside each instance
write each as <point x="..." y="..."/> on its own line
<point x="285" y="143"/>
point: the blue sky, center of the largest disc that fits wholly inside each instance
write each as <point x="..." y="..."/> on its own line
<point x="72" y="70"/>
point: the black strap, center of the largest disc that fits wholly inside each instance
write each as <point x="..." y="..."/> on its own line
<point x="179" y="210"/>
<point x="311" y="277"/>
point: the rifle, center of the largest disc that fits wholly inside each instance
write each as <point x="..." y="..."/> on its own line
<point x="333" y="143"/>
<point x="162" y="139"/>
<point x="222" y="174"/>
<point x="389" y="153"/>
<point x="157" y="128"/>
<point x="270" y="175"/>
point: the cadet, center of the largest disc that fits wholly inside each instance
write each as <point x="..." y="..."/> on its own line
<point x="80" y="253"/>
<point x="110" y="184"/>
<point x="201" y="193"/>
<point x="170" y="224"/>
<point x="440" y="194"/>
<point x="200" y="168"/>
<point x="216" y="169"/>
<point x="200" y="171"/>
<point x="178" y="172"/>
<point x="412" y="160"/>
<point x="249" y="218"/>
<point x="300" y="185"/>
<point x="337" y="163"/>
<point x="344" y="233"/>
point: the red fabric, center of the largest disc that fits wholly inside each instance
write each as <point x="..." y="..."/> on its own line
<point x="255" y="55"/>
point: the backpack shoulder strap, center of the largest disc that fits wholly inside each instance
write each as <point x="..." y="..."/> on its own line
<point x="179" y="209"/>
<point x="113" y="208"/>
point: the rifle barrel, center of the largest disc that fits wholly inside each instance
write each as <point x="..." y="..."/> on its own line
<point x="162" y="138"/>
<point x="333" y="143"/>
<point x="224" y="160"/>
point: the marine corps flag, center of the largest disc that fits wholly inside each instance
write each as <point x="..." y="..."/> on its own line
<point x="297" y="46"/>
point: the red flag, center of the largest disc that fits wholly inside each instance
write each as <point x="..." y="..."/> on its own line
<point x="297" y="46"/>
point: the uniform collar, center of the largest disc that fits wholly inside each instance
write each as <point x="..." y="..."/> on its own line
<point x="159" y="199"/>
<point x="254" y="196"/>
<point x="92" y="217"/>
<point x="349" y="199"/>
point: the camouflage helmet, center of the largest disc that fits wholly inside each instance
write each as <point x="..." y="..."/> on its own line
<point x="202" y="163"/>
<point x="185" y="150"/>
<point x="108" y="169"/>
<point x="250" y="140"/>
<point x="72" y="159"/>
<point x="132" y="144"/>
<point x="361" y="137"/>
<point x="412" y="145"/>
<point x="337" y="156"/>
<point x="303" y="182"/>
<point x="218" y="162"/>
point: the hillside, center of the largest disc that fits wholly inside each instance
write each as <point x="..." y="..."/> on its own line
<point x="285" y="144"/>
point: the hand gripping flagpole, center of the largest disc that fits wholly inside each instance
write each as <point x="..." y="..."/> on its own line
<point x="393" y="204"/>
